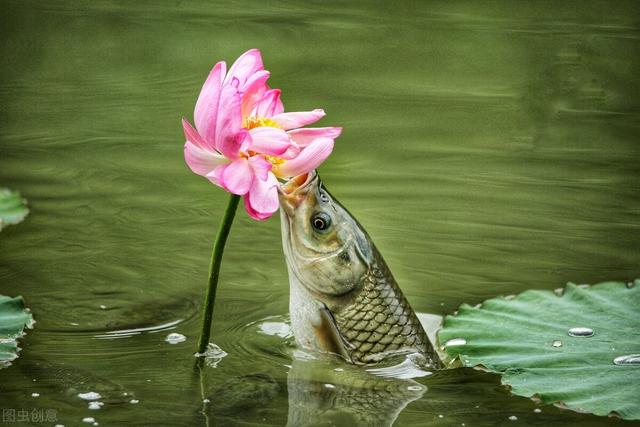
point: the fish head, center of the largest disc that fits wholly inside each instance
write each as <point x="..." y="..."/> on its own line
<point x="325" y="247"/>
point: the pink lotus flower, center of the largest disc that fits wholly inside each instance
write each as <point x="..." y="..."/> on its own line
<point x="243" y="140"/>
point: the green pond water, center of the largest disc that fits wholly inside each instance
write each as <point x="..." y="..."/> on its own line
<point x="488" y="148"/>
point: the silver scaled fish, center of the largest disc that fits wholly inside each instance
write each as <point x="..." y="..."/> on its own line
<point x="343" y="298"/>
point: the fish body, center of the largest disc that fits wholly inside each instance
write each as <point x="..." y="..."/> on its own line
<point x="344" y="299"/>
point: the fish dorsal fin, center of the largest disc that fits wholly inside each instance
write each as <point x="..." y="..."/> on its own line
<point x="329" y="337"/>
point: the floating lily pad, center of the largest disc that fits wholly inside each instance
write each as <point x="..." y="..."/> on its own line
<point x="578" y="349"/>
<point x="13" y="319"/>
<point x="13" y="208"/>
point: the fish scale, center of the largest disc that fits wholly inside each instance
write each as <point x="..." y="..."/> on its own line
<point x="380" y="320"/>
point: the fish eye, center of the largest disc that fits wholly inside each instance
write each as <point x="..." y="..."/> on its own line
<point x="321" y="221"/>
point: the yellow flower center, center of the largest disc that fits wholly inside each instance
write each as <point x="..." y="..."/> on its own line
<point x="255" y="122"/>
<point x="275" y="161"/>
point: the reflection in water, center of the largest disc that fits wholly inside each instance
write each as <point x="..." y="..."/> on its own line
<point x="125" y="333"/>
<point x="239" y="399"/>
<point x="321" y="394"/>
<point x="74" y="384"/>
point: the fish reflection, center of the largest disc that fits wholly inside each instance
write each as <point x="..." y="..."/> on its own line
<point x="327" y="392"/>
<point x="75" y="383"/>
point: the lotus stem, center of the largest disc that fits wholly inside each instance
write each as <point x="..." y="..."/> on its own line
<point x="214" y="271"/>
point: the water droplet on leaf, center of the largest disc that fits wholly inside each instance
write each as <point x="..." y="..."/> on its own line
<point x="455" y="342"/>
<point x="556" y="343"/>
<point x="629" y="359"/>
<point x="580" y="332"/>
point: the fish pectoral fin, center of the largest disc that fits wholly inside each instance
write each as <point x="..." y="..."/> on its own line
<point x="329" y="337"/>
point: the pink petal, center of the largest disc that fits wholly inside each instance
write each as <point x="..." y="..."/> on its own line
<point x="299" y="119"/>
<point x="309" y="158"/>
<point x="279" y="107"/>
<point x="229" y="135"/>
<point x="262" y="200"/>
<point x="292" y="152"/>
<point x="268" y="140"/>
<point x="206" y="111"/>
<point x="237" y="177"/>
<point x="192" y="135"/>
<point x="253" y="91"/>
<point x="201" y="161"/>
<point x="270" y="104"/>
<point x="253" y="213"/>
<point x="247" y="64"/>
<point x="245" y="146"/>
<point x="215" y="176"/>
<point x="305" y="136"/>
<point x="260" y="166"/>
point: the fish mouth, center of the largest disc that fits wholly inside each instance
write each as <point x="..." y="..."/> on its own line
<point x="295" y="191"/>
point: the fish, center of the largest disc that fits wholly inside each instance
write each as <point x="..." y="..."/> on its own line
<point x="343" y="298"/>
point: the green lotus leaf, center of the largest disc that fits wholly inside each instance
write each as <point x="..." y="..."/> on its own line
<point x="13" y="208"/>
<point x="578" y="349"/>
<point x="14" y="317"/>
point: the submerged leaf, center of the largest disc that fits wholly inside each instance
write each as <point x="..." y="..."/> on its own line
<point x="13" y="319"/>
<point x="579" y="350"/>
<point x="13" y="208"/>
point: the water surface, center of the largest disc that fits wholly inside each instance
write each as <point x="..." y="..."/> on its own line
<point x="488" y="148"/>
